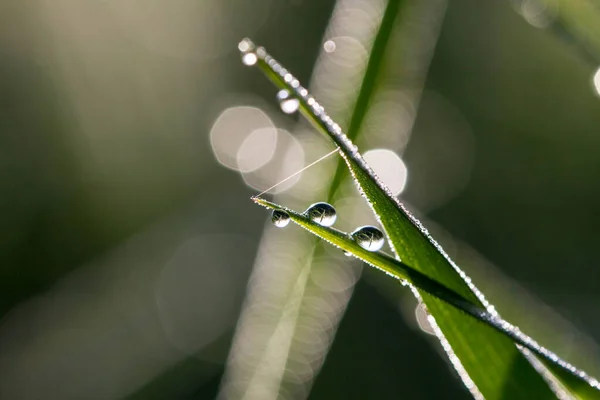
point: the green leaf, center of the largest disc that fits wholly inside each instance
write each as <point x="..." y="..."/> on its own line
<point x="487" y="359"/>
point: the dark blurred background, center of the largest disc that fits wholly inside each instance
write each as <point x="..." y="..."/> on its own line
<point x="131" y="138"/>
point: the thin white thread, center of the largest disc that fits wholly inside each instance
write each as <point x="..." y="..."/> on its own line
<point x="297" y="172"/>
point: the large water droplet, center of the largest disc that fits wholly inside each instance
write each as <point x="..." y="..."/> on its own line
<point x="280" y="218"/>
<point x="321" y="213"/>
<point x="287" y="102"/>
<point x="368" y="237"/>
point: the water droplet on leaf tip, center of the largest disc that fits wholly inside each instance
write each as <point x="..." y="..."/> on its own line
<point x="280" y="218"/>
<point x="287" y="102"/>
<point x="249" y="59"/>
<point x="322" y="213"/>
<point x="368" y="237"/>
<point x="245" y="45"/>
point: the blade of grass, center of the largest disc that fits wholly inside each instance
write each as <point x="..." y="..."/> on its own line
<point x="406" y="273"/>
<point x="490" y="359"/>
<point x="578" y="382"/>
<point x="380" y="260"/>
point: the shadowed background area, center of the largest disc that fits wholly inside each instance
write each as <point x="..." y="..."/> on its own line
<point x="133" y="265"/>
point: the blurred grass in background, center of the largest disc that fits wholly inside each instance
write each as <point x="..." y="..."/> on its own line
<point x="126" y="247"/>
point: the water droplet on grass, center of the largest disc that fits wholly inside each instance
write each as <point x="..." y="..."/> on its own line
<point x="321" y="213"/>
<point x="249" y="59"/>
<point x="287" y="102"/>
<point x="280" y="218"/>
<point x="369" y="238"/>
<point x="245" y="45"/>
<point x="247" y="48"/>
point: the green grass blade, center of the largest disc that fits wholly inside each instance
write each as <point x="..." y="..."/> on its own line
<point x="410" y="238"/>
<point x="488" y="361"/>
<point x="381" y="261"/>
<point x="573" y="380"/>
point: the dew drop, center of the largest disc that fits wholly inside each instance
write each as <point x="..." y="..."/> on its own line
<point x="329" y="46"/>
<point x="249" y="54"/>
<point x="347" y="253"/>
<point x="321" y="213"/>
<point x="249" y="59"/>
<point x="280" y="218"/>
<point x="287" y="102"/>
<point x="368" y="237"/>
<point x="245" y="45"/>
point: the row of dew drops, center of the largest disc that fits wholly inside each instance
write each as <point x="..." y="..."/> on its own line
<point x="368" y="237"/>
<point x="288" y="103"/>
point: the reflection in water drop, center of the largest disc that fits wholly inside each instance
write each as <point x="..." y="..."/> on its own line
<point x="280" y="219"/>
<point x="321" y="213"/>
<point x="368" y="237"/>
<point x="249" y="59"/>
<point x="288" y="104"/>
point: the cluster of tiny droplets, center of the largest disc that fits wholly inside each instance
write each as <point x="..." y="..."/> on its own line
<point x="302" y="94"/>
<point x="458" y="366"/>
<point x="555" y="385"/>
<point x="533" y="345"/>
<point x="346" y="144"/>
